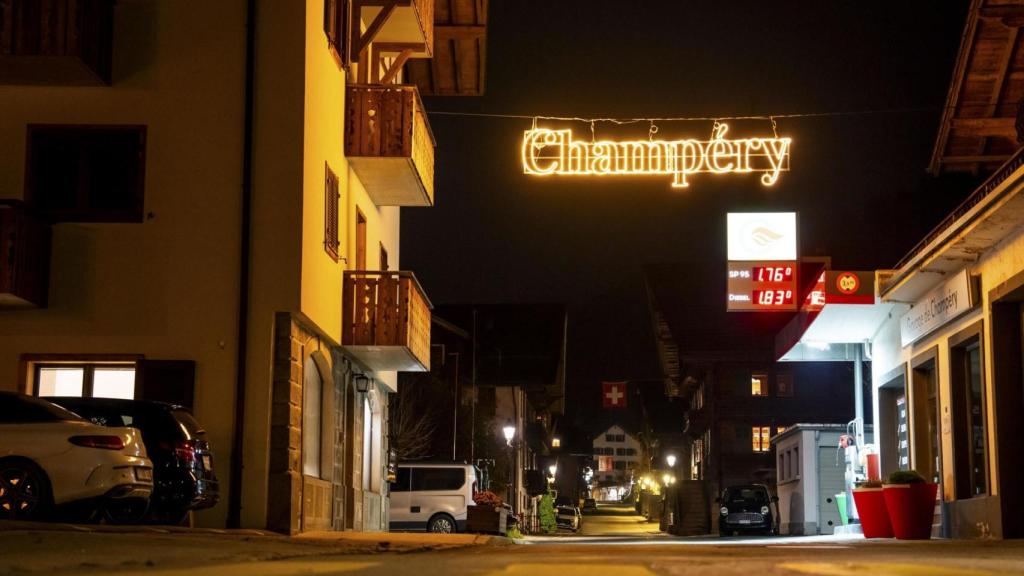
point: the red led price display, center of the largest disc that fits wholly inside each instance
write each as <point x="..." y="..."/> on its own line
<point x="765" y="286"/>
<point x="771" y="273"/>
<point x="773" y="297"/>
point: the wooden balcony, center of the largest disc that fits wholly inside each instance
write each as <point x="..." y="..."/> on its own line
<point x="460" y="51"/>
<point x="24" y="258"/>
<point x="389" y="144"/>
<point x="56" y="42"/>
<point x="386" y="321"/>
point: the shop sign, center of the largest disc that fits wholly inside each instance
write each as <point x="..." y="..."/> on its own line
<point x="946" y="302"/>
<point x="547" y="152"/>
<point x="758" y="236"/>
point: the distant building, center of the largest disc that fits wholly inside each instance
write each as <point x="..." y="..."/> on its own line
<point x="617" y="454"/>
<point x="722" y="366"/>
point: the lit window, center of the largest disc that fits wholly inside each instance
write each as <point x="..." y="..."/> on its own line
<point x="761" y="436"/>
<point x="88" y="380"/>
<point x="780" y="429"/>
<point x="556" y="443"/>
<point x="759" y="385"/>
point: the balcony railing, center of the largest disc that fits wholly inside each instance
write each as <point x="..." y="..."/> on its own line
<point x="24" y="258"/>
<point x="62" y="42"/>
<point x="389" y="144"/>
<point x="386" y="320"/>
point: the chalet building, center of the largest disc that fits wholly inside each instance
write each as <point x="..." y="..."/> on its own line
<point x="722" y="366"/>
<point x="618" y="455"/>
<point x="203" y="207"/>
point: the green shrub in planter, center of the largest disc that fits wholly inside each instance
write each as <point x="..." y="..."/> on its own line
<point x="870" y="484"/>
<point x="906" y="477"/>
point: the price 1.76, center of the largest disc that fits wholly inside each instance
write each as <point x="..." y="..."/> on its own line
<point x="772" y="273"/>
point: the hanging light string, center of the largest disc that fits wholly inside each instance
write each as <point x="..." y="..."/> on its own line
<point x="767" y="117"/>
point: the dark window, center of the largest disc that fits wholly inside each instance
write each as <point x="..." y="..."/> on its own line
<point x="333" y="198"/>
<point x="620" y="437"/>
<point x="27" y="410"/>
<point x="630" y="451"/>
<point x="620" y="451"/>
<point x="437" y="479"/>
<point x="784" y="385"/>
<point x="334" y="26"/>
<point x="402" y="479"/>
<point x="745" y="494"/>
<point x="86" y="173"/>
<point x="609" y="437"/>
<point x="620" y="465"/>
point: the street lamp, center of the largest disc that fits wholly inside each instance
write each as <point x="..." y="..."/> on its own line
<point x="671" y="459"/>
<point x="510" y="432"/>
<point x="552" y="469"/>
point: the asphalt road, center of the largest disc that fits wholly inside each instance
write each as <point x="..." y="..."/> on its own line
<point x="618" y="544"/>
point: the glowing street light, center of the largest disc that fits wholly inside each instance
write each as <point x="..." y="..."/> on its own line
<point x="552" y="469"/>
<point x="671" y="460"/>
<point x="510" y="432"/>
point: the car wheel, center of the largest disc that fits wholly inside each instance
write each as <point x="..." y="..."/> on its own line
<point x="127" y="511"/>
<point x="442" y="524"/>
<point x="24" y="491"/>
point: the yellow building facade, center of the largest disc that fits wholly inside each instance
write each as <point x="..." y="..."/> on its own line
<point x="246" y="266"/>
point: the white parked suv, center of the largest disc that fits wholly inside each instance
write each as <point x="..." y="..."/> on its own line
<point x="50" y="457"/>
<point x="432" y="497"/>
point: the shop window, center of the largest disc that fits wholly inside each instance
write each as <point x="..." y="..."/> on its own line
<point x="784" y="385"/>
<point x="88" y="380"/>
<point x="761" y="436"/>
<point x="969" y="438"/>
<point x="759" y="385"/>
<point x="332" y="197"/>
<point x="86" y="173"/>
<point x="312" y="396"/>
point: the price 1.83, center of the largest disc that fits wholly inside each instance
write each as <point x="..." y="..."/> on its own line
<point x="773" y="297"/>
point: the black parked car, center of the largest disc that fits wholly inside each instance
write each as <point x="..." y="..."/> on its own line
<point x="183" y="477"/>
<point x="746" y="509"/>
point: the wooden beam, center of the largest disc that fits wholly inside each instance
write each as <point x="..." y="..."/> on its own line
<point x="396" y="66"/>
<point x="1003" y="69"/>
<point x="973" y="159"/>
<point x="985" y="127"/>
<point x="363" y="40"/>
<point x="460" y="32"/>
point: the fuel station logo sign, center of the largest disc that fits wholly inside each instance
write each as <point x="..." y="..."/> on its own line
<point x="847" y="283"/>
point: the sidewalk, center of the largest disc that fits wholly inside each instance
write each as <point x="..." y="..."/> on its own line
<point x="35" y="548"/>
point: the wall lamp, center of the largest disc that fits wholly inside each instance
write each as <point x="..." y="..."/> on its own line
<point x="361" y="382"/>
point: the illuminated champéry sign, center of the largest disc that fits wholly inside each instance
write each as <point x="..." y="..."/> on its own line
<point x="546" y="152"/>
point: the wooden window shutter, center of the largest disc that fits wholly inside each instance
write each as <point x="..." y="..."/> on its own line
<point x="336" y="26"/>
<point x="170" y="381"/>
<point x="332" y="197"/>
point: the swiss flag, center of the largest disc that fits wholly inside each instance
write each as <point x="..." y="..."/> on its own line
<point x="613" y="394"/>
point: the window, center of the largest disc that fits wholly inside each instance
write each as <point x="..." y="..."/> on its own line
<point x="620" y="451"/>
<point x="86" y="173"/>
<point x="89" y="380"/>
<point x="312" y="391"/>
<point x="780" y="429"/>
<point x="759" y="385"/>
<point x="630" y="451"/>
<point x="332" y="199"/>
<point x="970" y="442"/>
<point x="609" y="437"/>
<point x="335" y="26"/>
<point x="784" y="385"/>
<point x="761" y="436"/>
<point x="620" y="465"/>
<point x="437" y="479"/>
<point x="620" y="437"/>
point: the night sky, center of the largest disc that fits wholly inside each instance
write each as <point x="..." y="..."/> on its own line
<point x="858" y="181"/>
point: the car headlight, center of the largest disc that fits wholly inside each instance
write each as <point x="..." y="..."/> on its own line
<point x="724" y="511"/>
<point x="764" y="510"/>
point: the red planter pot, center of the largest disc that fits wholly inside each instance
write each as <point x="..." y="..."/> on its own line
<point x="874" y="514"/>
<point x="911" y="509"/>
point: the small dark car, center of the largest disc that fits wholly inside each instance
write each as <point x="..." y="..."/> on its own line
<point x="746" y="509"/>
<point x="183" y="476"/>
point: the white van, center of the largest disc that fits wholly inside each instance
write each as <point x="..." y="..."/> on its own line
<point x="432" y="496"/>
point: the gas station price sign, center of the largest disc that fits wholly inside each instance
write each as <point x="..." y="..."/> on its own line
<point x="762" y="286"/>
